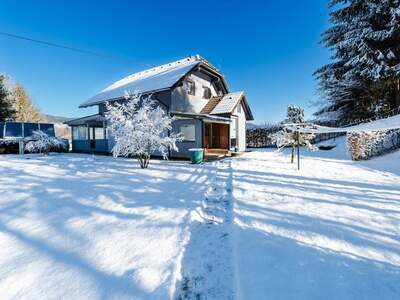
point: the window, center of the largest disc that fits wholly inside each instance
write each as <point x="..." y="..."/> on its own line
<point x="79" y="132"/>
<point x="29" y="128"/>
<point x="233" y="143"/>
<point x="206" y="92"/>
<point x="188" y="132"/>
<point x="1" y="130"/>
<point x="99" y="133"/>
<point x="191" y="87"/>
<point x="13" y="129"/>
<point x="47" y="128"/>
<point x="239" y="108"/>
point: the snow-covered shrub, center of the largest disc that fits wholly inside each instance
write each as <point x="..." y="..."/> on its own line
<point x="365" y="145"/>
<point x="41" y="142"/>
<point x="287" y="137"/>
<point x="9" y="147"/>
<point x="140" y="127"/>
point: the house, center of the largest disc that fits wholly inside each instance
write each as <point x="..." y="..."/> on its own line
<point x="192" y="90"/>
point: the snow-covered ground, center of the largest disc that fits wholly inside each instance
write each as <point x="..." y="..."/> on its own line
<point x="328" y="231"/>
<point x="74" y="226"/>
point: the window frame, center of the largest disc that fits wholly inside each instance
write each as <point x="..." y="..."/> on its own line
<point x="191" y="87"/>
<point x="75" y="129"/>
<point x="101" y="132"/>
<point x="34" y="127"/>
<point x="48" y="129"/>
<point x="206" y="88"/>
<point x="14" y="127"/>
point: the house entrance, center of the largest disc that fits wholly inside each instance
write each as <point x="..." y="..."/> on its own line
<point x="216" y="136"/>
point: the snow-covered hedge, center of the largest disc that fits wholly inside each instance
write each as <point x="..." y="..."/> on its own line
<point x="43" y="143"/>
<point x="365" y="145"/>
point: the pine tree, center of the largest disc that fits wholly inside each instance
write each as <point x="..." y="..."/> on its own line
<point x="6" y="109"/>
<point x="363" y="78"/>
<point x="25" y="110"/>
<point x="294" y="114"/>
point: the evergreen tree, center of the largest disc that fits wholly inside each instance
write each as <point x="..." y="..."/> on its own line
<point x="6" y="109"/>
<point x="25" y="110"/>
<point x="294" y="114"/>
<point x="363" y="78"/>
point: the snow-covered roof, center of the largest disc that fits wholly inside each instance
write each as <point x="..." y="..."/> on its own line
<point x="227" y="103"/>
<point x="96" y="118"/>
<point x="151" y="80"/>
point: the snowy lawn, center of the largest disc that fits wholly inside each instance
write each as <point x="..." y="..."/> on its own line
<point x="328" y="231"/>
<point x="75" y="226"/>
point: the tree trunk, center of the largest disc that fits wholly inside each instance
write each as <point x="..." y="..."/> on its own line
<point x="397" y="94"/>
<point x="144" y="160"/>
<point x="292" y="154"/>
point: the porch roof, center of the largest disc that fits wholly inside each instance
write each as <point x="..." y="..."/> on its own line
<point x="96" y="119"/>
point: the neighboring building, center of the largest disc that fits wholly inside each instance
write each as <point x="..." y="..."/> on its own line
<point x="192" y="90"/>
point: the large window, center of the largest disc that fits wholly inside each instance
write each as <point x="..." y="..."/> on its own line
<point x="29" y="128"/>
<point x="99" y="133"/>
<point x="47" y="128"/>
<point x="79" y="132"/>
<point x="13" y="129"/>
<point x="188" y="132"/>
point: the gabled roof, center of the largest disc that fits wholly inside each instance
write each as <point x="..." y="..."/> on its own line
<point x="228" y="103"/>
<point x="152" y="80"/>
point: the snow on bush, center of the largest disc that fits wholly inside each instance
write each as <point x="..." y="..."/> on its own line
<point x="140" y="127"/>
<point x="43" y="143"/>
<point x="287" y="137"/>
<point x="364" y="145"/>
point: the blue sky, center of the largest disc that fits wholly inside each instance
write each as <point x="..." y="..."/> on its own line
<point x="269" y="49"/>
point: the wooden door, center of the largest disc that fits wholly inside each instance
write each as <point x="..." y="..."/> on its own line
<point x="223" y="136"/>
<point x="207" y="135"/>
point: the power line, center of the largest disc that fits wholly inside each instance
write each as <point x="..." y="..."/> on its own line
<point x="20" y="37"/>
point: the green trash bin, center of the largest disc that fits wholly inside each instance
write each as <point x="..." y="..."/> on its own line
<point x="197" y="155"/>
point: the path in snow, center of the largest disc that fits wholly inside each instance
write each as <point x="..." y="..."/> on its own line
<point x="207" y="271"/>
<point x="328" y="231"/>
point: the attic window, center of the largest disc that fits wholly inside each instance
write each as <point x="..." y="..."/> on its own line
<point x="206" y="92"/>
<point x="240" y="108"/>
<point x="191" y="87"/>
